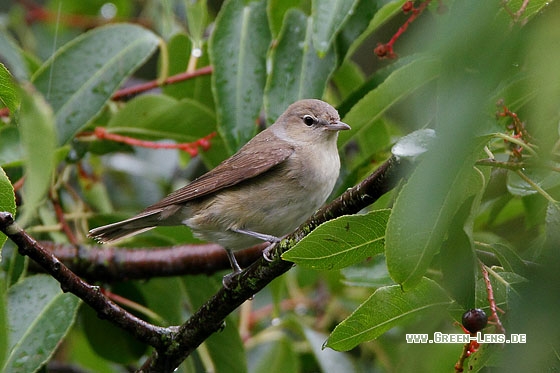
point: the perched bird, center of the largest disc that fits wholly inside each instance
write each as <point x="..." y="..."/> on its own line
<point x="263" y="192"/>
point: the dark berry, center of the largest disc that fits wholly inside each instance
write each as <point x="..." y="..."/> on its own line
<point x="474" y="320"/>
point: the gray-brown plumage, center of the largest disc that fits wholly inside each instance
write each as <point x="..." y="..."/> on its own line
<point x="265" y="190"/>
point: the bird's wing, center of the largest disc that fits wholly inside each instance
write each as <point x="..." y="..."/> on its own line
<point x="243" y="165"/>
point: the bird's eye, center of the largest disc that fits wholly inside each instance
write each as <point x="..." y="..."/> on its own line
<point x="309" y="120"/>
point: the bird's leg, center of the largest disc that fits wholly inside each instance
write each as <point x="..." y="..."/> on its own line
<point x="260" y="236"/>
<point x="265" y="237"/>
<point x="268" y="251"/>
<point x="226" y="280"/>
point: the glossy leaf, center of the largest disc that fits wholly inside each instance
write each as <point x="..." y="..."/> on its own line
<point x="8" y="92"/>
<point x="238" y="50"/>
<point x="89" y="69"/>
<point x="399" y="84"/>
<point x="40" y="315"/>
<point x="38" y="139"/>
<point x="328" y="17"/>
<point x="387" y="307"/>
<point x="297" y="70"/>
<point x="341" y="242"/>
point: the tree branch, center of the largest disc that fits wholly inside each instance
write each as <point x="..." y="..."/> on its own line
<point x="111" y="263"/>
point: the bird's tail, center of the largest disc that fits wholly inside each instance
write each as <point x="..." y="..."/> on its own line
<point x="126" y="228"/>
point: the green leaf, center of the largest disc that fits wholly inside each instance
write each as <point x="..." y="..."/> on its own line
<point x="12" y="56"/>
<point x="7" y="201"/>
<point x="356" y="23"/>
<point x="157" y="117"/>
<point x="197" y="14"/>
<point x="238" y="50"/>
<point x="386" y="308"/>
<point x="347" y="77"/>
<point x="11" y="153"/>
<point x="82" y="75"/>
<point x="552" y="224"/>
<point x="276" y="356"/>
<point x="4" y="343"/>
<point x="328" y="17"/>
<point x="38" y="139"/>
<point x="509" y="259"/>
<point x="276" y="11"/>
<point x="458" y="260"/>
<point x="8" y="91"/>
<point x="425" y="207"/>
<point x="341" y="242"/>
<point x="531" y="8"/>
<point x="297" y="70"/>
<point x="123" y="349"/>
<point x="40" y="315"/>
<point x="399" y="84"/>
<point x="542" y="177"/>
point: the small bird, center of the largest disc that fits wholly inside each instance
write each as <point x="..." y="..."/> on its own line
<point x="262" y="192"/>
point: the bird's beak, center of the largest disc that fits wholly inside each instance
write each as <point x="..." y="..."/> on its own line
<point x="337" y="126"/>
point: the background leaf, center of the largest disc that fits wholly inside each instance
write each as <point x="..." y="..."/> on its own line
<point x="297" y="69"/>
<point x="4" y="342"/>
<point x="68" y="80"/>
<point x="40" y="315"/>
<point x="328" y="17"/>
<point x="401" y="83"/>
<point x="12" y="56"/>
<point x="38" y="139"/>
<point x="237" y="50"/>
<point x="8" y="91"/>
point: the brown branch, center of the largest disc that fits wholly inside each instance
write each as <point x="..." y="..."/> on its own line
<point x="139" y="88"/>
<point x="110" y="264"/>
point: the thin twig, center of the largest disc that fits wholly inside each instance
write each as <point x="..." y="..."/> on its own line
<point x="131" y="91"/>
